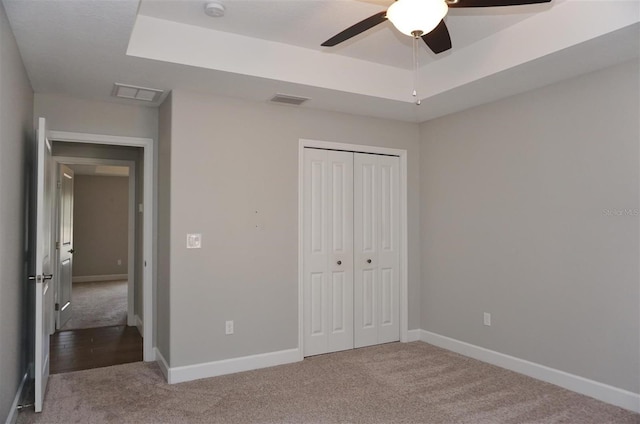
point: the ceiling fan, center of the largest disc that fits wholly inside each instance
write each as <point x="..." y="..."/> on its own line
<point x="421" y="19"/>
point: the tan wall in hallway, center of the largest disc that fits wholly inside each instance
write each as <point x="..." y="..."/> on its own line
<point x="100" y="225"/>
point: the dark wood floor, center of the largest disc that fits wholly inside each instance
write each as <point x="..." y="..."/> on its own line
<point x="75" y="350"/>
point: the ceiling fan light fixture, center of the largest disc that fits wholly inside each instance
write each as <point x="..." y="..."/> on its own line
<point x="416" y="17"/>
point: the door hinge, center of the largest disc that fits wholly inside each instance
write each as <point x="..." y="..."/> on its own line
<point x="57" y="245"/>
<point x="59" y="184"/>
<point x="57" y="307"/>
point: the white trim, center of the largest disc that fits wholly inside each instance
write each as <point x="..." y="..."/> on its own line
<point x="95" y="278"/>
<point x="113" y="140"/>
<point x="414" y="335"/>
<point x="12" y="418"/>
<point x="404" y="250"/>
<point x="604" y="392"/>
<point x="139" y="324"/>
<point x="404" y="243"/>
<point x="233" y="365"/>
<point x="147" y="225"/>
<point x="162" y="363"/>
<point x="300" y="251"/>
<point x="131" y="241"/>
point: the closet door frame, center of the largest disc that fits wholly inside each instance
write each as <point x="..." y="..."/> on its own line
<point x="404" y="268"/>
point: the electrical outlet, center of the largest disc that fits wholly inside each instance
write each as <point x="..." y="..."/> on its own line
<point x="119" y="262"/>
<point x="487" y="319"/>
<point x="228" y="327"/>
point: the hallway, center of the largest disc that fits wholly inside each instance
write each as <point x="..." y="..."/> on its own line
<point x="96" y="335"/>
<point x="98" y="304"/>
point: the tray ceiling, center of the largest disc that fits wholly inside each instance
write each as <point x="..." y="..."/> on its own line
<point x="262" y="47"/>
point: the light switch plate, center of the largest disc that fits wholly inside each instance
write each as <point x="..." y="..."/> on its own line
<point x="194" y="241"/>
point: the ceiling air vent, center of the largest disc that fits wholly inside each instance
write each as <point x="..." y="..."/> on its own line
<point x="136" y="93"/>
<point x="288" y="100"/>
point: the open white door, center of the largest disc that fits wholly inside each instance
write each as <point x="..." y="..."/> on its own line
<point x="44" y="264"/>
<point x="65" y="245"/>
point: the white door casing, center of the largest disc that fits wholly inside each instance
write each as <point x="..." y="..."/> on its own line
<point x="148" y="254"/>
<point x="43" y="263"/>
<point x="376" y="246"/>
<point x="65" y="245"/>
<point x="328" y="251"/>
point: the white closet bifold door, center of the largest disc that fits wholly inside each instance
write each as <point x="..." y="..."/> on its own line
<point x="376" y="246"/>
<point x="328" y="251"/>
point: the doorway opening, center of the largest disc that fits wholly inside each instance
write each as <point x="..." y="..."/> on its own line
<point x="97" y="162"/>
<point x="95" y="312"/>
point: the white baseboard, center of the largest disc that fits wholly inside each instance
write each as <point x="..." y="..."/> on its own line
<point x="162" y="363"/>
<point x="604" y="392"/>
<point x="414" y="335"/>
<point x="94" y="278"/>
<point x="132" y="319"/>
<point x="139" y="324"/>
<point x="13" y="412"/>
<point x="230" y="366"/>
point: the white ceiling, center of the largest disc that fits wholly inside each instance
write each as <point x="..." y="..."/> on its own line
<point x="82" y="47"/>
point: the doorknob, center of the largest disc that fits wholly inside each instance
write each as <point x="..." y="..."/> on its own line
<point x="339" y="262"/>
<point x="368" y="261"/>
<point x="70" y="250"/>
<point x="46" y="277"/>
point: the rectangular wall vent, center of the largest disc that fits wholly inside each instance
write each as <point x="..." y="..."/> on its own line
<point x="132" y="92"/>
<point x="288" y="100"/>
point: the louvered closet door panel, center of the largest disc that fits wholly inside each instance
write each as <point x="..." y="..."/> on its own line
<point x="376" y="259"/>
<point x="328" y="251"/>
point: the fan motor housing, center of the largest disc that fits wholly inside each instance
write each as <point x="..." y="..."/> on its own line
<point x="214" y="9"/>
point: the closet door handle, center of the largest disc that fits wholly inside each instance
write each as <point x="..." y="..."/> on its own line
<point x="339" y="262"/>
<point x="368" y="261"/>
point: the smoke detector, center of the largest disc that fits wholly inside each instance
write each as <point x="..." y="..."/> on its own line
<point x="214" y="9"/>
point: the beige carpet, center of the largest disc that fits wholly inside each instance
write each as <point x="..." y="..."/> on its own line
<point x="98" y="304"/>
<point x="393" y="383"/>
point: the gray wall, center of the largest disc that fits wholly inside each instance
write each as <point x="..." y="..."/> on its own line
<point x="16" y="134"/>
<point x="100" y="225"/>
<point x="65" y="113"/>
<point x="163" y="324"/>
<point x="523" y="216"/>
<point x="229" y="158"/>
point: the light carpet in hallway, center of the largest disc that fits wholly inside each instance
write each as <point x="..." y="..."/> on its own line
<point x="98" y="304"/>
